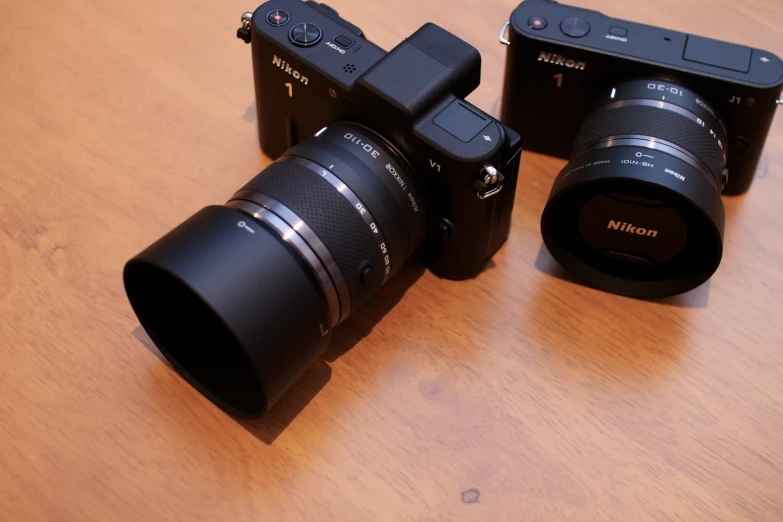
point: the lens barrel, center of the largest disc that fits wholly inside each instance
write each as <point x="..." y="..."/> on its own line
<point x="637" y="210"/>
<point x="241" y="299"/>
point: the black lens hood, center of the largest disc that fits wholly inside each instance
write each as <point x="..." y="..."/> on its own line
<point x="668" y="181"/>
<point x="231" y="306"/>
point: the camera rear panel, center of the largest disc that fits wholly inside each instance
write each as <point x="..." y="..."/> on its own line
<point x="560" y="57"/>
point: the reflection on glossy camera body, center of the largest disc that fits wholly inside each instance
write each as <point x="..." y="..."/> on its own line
<point x="655" y="124"/>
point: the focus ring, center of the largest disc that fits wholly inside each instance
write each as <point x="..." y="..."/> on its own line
<point x="656" y="123"/>
<point x="331" y="217"/>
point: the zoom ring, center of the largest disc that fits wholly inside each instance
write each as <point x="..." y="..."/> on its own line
<point x="656" y="122"/>
<point x="333" y="218"/>
<point x="356" y="203"/>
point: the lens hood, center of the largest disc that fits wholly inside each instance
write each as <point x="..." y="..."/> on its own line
<point x="635" y="221"/>
<point x="231" y="306"/>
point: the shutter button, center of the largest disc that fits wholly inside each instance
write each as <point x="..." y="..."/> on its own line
<point x="574" y="27"/>
<point x="305" y="35"/>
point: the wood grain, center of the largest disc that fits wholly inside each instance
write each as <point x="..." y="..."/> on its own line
<point x="519" y="395"/>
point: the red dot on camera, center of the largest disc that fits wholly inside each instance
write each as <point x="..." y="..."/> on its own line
<point x="278" y="17"/>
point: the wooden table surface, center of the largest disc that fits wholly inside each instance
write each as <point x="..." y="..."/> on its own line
<point x="517" y="396"/>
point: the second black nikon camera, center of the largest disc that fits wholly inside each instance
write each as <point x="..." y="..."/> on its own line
<point x="655" y="124"/>
<point x="378" y="156"/>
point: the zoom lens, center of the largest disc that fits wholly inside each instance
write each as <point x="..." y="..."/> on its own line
<point x="242" y="298"/>
<point x="637" y="210"/>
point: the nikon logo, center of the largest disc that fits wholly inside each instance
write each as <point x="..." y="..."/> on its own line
<point x="557" y="59"/>
<point x="630" y="228"/>
<point x="285" y="66"/>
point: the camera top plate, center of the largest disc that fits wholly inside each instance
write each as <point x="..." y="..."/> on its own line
<point x="591" y="30"/>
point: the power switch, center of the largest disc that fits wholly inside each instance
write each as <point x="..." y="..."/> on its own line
<point x="461" y="121"/>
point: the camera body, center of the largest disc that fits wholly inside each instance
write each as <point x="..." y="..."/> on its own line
<point x="312" y="68"/>
<point x="560" y="57"/>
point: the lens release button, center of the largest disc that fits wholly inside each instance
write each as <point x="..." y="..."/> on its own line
<point x="574" y="27"/>
<point x="444" y="227"/>
<point x="738" y="146"/>
<point x="305" y="35"/>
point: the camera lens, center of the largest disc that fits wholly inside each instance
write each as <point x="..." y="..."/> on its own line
<point x="637" y="209"/>
<point x="242" y="298"/>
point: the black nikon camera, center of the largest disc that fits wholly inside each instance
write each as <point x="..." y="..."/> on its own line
<point x="378" y="156"/>
<point x="655" y="124"/>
